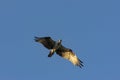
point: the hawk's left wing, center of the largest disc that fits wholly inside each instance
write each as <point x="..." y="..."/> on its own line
<point x="69" y="55"/>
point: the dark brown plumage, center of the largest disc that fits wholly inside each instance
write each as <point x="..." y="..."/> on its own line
<point x="56" y="46"/>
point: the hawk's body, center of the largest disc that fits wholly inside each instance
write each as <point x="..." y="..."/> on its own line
<point x="59" y="49"/>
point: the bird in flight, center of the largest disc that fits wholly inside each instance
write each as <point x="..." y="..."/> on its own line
<point x="56" y="46"/>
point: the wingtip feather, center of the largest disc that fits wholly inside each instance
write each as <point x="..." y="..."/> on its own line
<point x="76" y="61"/>
<point x="80" y="63"/>
<point x="36" y="39"/>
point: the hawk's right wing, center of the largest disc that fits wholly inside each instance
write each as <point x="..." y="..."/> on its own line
<point x="46" y="41"/>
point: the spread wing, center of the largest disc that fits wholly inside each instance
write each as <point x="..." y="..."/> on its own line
<point x="46" y="41"/>
<point x="72" y="58"/>
<point x="69" y="55"/>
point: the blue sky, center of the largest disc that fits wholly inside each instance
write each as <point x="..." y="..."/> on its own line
<point x="91" y="28"/>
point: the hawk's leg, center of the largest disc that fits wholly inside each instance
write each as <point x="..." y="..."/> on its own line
<point x="51" y="52"/>
<point x="56" y="46"/>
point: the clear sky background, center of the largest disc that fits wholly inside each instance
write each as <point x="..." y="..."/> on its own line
<point x="91" y="28"/>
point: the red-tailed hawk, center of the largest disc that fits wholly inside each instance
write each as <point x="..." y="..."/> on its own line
<point x="56" y="46"/>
